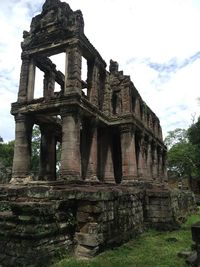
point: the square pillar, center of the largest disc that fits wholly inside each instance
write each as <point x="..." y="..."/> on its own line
<point x="23" y="83"/>
<point x="22" y="148"/>
<point x="155" y="163"/>
<point x="129" y="164"/>
<point x="91" y="174"/>
<point x="31" y="80"/>
<point x="105" y="159"/>
<point x="109" y="176"/>
<point x="70" y="151"/>
<point x="49" y="85"/>
<point x="142" y="159"/>
<point x="73" y="70"/>
<point x="149" y="159"/>
<point x="47" y="154"/>
<point x="93" y="83"/>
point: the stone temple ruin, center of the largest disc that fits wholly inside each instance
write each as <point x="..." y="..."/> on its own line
<point x="112" y="180"/>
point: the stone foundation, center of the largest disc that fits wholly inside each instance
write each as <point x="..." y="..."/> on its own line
<point x="166" y="209"/>
<point x="41" y="221"/>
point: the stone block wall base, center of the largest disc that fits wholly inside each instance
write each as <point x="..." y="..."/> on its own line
<point x="166" y="209"/>
<point x="21" y="180"/>
<point x="42" y="220"/>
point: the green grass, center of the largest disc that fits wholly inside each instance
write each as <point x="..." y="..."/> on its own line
<point x="151" y="249"/>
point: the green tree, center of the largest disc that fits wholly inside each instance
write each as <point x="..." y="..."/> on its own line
<point x="194" y="138"/>
<point x="181" y="156"/>
<point x="6" y="159"/>
<point x="176" y="136"/>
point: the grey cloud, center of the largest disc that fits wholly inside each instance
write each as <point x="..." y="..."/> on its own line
<point x="167" y="69"/>
<point x="173" y="64"/>
<point x="7" y="82"/>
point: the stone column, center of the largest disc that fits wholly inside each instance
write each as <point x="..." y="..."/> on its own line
<point x="164" y="166"/>
<point x="23" y="84"/>
<point x="144" y="155"/>
<point x="149" y="159"/>
<point x="49" y="85"/>
<point x="22" y="148"/>
<point x="109" y="176"/>
<point x="164" y="169"/>
<point x="31" y="80"/>
<point x="73" y="70"/>
<point x="93" y="84"/>
<point x="160" y="168"/>
<point x="129" y="164"/>
<point x="70" y="151"/>
<point x="126" y="100"/>
<point x="47" y="154"/>
<point x="155" y="163"/>
<point x="137" y="108"/>
<point x="106" y="157"/>
<point x="142" y="165"/>
<point x="91" y="174"/>
<point x="107" y="103"/>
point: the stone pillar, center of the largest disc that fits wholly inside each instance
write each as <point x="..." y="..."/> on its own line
<point x="137" y="108"/>
<point x="142" y="164"/>
<point x="126" y="99"/>
<point x="163" y="169"/>
<point x="164" y="155"/>
<point x="129" y="164"/>
<point x="73" y="70"/>
<point x="23" y="84"/>
<point x="155" y="163"/>
<point x="144" y="156"/>
<point x="47" y="154"/>
<point x="160" y="169"/>
<point x="70" y="151"/>
<point x="107" y="103"/>
<point x="149" y="160"/>
<point x="31" y="80"/>
<point x="22" y="148"/>
<point x="109" y="176"/>
<point x="49" y="85"/>
<point x="106" y="161"/>
<point x="94" y="83"/>
<point x="91" y="174"/>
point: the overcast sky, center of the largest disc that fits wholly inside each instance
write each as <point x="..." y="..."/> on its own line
<point x="156" y="42"/>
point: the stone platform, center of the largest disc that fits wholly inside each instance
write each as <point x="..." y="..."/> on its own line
<point x="40" y="221"/>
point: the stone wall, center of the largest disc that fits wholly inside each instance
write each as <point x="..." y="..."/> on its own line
<point x="167" y="209"/>
<point x="40" y="221"/>
<point x="114" y="219"/>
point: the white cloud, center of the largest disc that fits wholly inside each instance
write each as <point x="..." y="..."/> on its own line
<point x="147" y="31"/>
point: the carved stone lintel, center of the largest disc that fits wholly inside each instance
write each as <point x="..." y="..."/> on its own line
<point x="124" y="128"/>
<point x="70" y="110"/>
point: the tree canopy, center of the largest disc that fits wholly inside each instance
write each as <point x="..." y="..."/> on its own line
<point x="6" y="158"/>
<point x="184" y="150"/>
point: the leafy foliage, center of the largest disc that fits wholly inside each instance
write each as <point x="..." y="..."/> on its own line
<point x="184" y="149"/>
<point x="194" y="138"/>
<point x="6" y="158"/>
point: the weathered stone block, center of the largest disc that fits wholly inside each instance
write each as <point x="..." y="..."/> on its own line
<point x="91" y="240"/>
<point x="86" y="251"/>
<point x="90" y="228"/>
